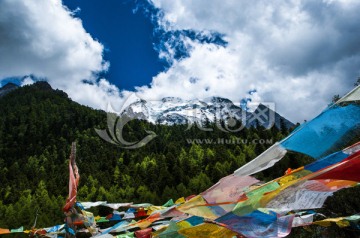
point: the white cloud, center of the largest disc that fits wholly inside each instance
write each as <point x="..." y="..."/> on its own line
<point x="27" y="81"/>
<point x="296" y="53"/>
<point x="44" y="39"/>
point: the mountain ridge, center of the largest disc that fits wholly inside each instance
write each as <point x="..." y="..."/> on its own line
<point x="7" y="88"/>
<point x="171" y="110"/>
<point x="174" y="110"/>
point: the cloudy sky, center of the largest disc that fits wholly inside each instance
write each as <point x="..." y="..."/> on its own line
<point x="296" y="53"/>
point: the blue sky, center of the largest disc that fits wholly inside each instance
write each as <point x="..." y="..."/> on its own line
<point x="127" y="36"/>
<point x="296" y="54"/>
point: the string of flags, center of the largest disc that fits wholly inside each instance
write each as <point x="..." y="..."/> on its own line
<point x="239" y="205"/>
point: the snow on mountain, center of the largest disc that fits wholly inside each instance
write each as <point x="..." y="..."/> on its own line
<point x="172" y="110"/>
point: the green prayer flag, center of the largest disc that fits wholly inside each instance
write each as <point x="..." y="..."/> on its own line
<point x="20" y="229"/>
<point x="169" y="203"/>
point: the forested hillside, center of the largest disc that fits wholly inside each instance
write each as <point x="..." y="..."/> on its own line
<point x="38" y="124"/>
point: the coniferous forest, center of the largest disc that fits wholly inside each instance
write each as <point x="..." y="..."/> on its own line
<point x="38" y="125"/>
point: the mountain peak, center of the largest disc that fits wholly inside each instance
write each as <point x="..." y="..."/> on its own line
<point x="7" y="88"/>
<point x="219" y="99"/>
<point x="42" y="85"/>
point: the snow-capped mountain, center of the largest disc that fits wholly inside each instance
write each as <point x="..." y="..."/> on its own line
<point x="172" y="110"/>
